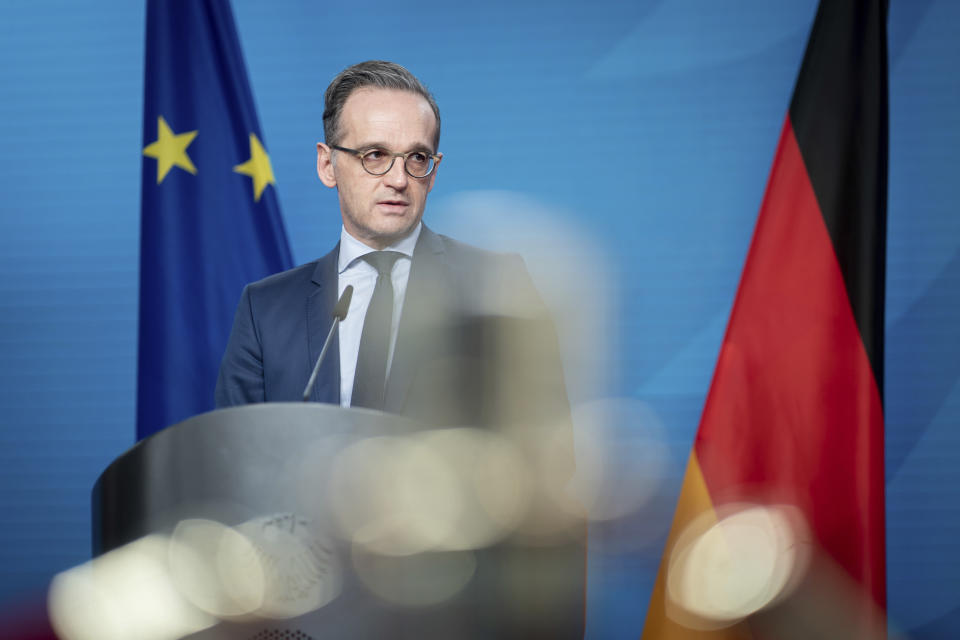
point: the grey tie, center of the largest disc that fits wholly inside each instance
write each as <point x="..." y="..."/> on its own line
<point x="369" y="383"/>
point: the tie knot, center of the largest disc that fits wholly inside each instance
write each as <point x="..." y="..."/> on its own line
<point x="382" y="261"/>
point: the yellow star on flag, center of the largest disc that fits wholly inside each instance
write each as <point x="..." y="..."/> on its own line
<point x="257" y="167"/>
<point x="170" y="149"/>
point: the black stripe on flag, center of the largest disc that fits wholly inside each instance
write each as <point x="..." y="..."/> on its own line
<point x="840" y="119"/>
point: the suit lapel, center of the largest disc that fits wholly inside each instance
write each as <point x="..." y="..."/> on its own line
<point x="426" y="306"/>
<point x="320" y="305"/>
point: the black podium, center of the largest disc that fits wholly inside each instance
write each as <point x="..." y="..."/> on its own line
<point x="260" y="471"/>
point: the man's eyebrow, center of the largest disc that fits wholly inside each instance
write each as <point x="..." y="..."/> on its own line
<point x="419" y="146"/>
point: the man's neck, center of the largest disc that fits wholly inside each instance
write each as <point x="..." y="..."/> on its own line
<point x="410" y="238"/>
<point x="352" y="247"/>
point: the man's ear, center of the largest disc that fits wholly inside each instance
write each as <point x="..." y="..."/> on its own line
<point x="325" y="165"/>
<point x="433" y="176"/>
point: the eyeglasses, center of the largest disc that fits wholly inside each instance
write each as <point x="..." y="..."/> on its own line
<point x="377" y="162"/>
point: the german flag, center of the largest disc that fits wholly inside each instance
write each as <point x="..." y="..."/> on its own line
<point x="792" y="429"/>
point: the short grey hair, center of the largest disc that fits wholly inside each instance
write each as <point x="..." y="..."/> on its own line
<point x="372" y="73"/>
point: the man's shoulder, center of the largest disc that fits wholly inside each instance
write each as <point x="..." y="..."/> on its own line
<point x="468" y="255"/>
<point x="284" y="282"/>
<point x="295" y="281"/>
<point x="291" y="277"/>
<point x="490" y="281"/>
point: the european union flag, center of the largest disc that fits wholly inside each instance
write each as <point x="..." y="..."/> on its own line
<point x="210" y="217"/>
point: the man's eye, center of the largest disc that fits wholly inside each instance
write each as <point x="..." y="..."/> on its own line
<point x="419" y="157"/>
<point x="375" y="154"/>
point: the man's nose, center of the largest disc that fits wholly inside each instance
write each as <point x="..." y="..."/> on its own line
<point x="397" y="176"/>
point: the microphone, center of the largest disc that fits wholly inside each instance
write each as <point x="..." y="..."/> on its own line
<point x="339" y="313"/>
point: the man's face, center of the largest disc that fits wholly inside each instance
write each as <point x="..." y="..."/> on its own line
<point x="379" y="210"/>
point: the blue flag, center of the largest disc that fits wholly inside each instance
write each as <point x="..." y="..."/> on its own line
<point x="210" y="216"/>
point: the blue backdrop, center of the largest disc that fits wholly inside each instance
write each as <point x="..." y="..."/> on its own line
<point x="637" y="137"/>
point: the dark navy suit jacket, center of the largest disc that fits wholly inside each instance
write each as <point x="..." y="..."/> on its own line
<point x="475" y="347"/>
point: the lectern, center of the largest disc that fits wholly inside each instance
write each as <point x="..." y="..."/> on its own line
<point x="261" y="472"/>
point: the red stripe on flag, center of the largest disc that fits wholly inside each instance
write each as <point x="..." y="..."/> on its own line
<point x="794" y="413"/>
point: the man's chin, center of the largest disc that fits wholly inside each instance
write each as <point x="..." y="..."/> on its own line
<point x="388" y="234"/>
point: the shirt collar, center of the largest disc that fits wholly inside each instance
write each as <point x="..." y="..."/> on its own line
<point x="351" y="249"/>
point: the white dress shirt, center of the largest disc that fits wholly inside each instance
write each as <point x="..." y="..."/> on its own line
<point x="352" y="269"/>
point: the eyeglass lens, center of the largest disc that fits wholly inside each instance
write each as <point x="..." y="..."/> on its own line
<point x="378" y="161"/>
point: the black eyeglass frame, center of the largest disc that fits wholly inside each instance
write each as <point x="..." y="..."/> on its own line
<point x="360" y="154"/>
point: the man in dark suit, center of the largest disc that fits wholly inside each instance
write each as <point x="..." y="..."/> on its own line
<point x="464" y="339"/>
<point x="461" y="317"/>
